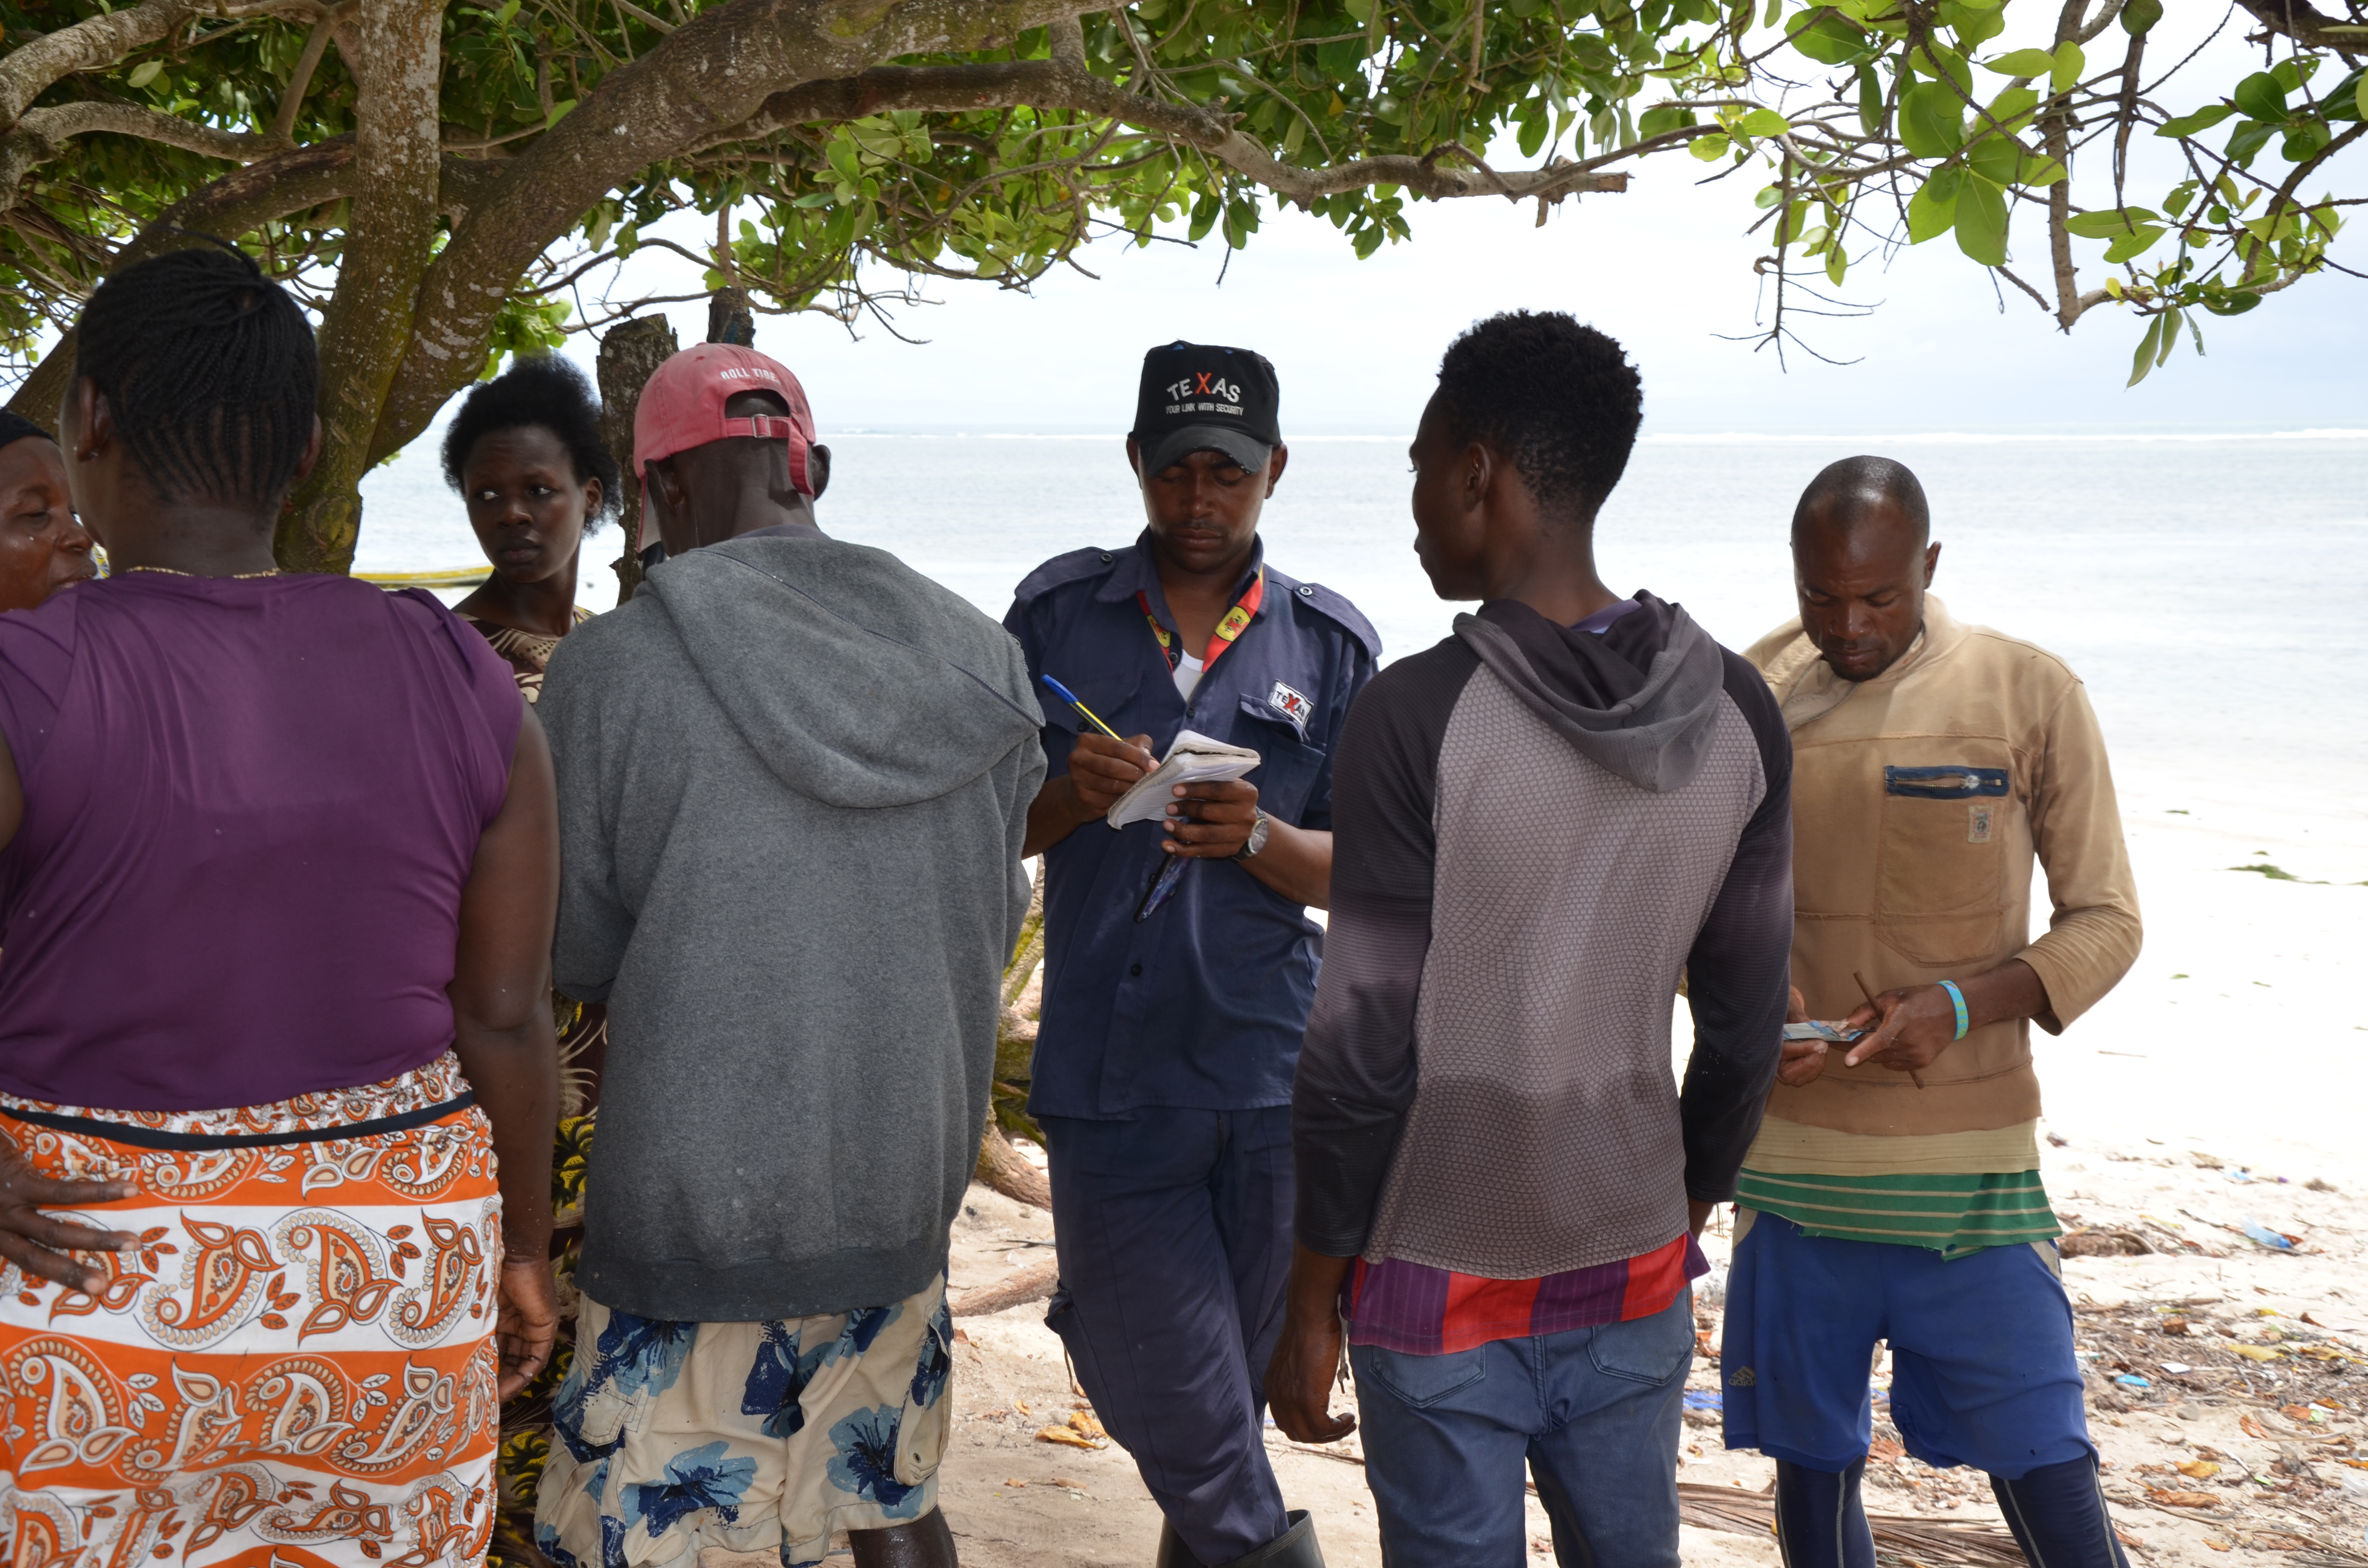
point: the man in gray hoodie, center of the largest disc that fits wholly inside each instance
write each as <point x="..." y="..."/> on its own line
<point x="793" y="778"/>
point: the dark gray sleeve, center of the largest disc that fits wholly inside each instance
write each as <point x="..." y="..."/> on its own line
<point x="595" y="927"/>
<point x="1357" y="1070"/>
<point x="1739" y="971"/>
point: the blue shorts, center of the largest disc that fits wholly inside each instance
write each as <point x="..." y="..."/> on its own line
<point x="1982" y="1365"/>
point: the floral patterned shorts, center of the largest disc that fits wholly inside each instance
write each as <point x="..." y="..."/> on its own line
<point x="671" y="1437"/>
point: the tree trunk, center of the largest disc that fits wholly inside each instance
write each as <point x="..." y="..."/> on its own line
<point x="731" y="318"/>
<point x="630" y="355"/>
<point x="1004" y="1168"/>
<point x="397" y="55"/>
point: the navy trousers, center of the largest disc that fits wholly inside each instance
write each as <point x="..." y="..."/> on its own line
<point x="1174" y="1229"/>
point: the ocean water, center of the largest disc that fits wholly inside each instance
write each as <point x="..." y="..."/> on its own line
<point x="2210" y="589"/>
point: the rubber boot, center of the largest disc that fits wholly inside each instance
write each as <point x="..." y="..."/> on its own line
<point x="2057" y="1515"/>
<point x="1820" y="1518"/>
<point x="924" y="1543"/>
<point x="1295" y="1547"/>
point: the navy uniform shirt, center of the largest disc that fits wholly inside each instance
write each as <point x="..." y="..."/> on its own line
<point x="1203" y="1004"/>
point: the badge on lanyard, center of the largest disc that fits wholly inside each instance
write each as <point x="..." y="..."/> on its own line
<point x="1230" y="627"/>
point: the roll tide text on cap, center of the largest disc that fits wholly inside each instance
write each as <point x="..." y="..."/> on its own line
<point x="682" y="407"/>
<point x="1200" y="397"/>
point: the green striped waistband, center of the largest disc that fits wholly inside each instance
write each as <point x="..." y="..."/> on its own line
<point x="1953" y="1215"/>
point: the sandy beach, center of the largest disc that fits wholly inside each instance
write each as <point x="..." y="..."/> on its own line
<point x="2213" y="1094"/>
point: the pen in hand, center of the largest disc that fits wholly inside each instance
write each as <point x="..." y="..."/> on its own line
<point x="1862" y="991"/>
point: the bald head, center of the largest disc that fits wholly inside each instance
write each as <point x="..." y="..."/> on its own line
<point x="1861" y="491"/>
<point x="1863" y="557"/>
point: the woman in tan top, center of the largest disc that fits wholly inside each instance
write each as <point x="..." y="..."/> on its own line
<point x="526" y="455"/>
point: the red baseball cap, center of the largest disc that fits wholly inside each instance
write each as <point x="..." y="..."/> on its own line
<point x="682" y="407"/>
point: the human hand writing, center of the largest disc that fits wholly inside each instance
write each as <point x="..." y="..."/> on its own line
<point x="1211" y="821"/>
<point x="38" y="1243"/>
<point x="1101" y="770"/>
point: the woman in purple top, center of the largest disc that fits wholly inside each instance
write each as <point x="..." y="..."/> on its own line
<point x="278" y="873"/>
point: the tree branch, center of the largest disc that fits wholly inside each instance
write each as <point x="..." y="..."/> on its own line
<point x="2307" y="25"/>
<point x="1049" y="84"/>
<point x="40" y="134"/>
<point x="300" y="80"/>
<point x="29" y="72"/>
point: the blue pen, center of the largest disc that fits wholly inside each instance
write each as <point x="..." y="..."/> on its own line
<point x="1065" y="695"/>
<point x="1163" y="885"/>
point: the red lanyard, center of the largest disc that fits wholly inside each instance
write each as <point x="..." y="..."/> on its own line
<point x="1236" y="621"/>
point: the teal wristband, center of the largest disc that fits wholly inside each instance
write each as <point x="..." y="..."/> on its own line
<point x="1965" y="1020"/>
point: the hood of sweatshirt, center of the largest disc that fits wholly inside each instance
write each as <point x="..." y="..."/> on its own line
<point x="860" y="682"/>
<point x="1638" y="698"/>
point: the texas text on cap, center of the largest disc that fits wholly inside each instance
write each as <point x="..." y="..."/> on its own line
<point x="1197" y="397"/>
<point x="682" y="407"/>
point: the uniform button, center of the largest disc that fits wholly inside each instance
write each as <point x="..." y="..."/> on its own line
<point x="1106" y="557"/>
<point x="1306" y="592"/>
<point x="1136" y="970"/>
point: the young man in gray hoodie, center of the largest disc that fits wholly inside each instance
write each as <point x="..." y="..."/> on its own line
<point x="793" y="778"/>
<point x="1538" y="824"/>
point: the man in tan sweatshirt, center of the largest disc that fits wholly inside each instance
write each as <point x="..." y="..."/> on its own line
<point x="1893" y="1192"/>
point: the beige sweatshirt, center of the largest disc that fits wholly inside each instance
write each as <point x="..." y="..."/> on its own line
<point x="1920" y="800"/>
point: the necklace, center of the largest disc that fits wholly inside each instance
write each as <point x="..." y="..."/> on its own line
<point x="175" y="571"/>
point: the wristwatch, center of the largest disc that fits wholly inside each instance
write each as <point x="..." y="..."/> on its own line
<point x="1258" y="835"/>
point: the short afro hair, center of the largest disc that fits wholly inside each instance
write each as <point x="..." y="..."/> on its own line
<point x="1558" y="398"/>
<point x="209" y="369"/>
<point x="548" y="391"/>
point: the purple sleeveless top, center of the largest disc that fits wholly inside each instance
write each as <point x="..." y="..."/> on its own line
<point x="250" y="808"/>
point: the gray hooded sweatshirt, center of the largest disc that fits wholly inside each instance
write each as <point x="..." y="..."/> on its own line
<point x="793" y="777"/>
<point x="1534" y="830"/>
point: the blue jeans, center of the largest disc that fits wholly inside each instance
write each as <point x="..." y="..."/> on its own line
<point x="1174" y="1229"/>
<point x="1594" y="1412"/>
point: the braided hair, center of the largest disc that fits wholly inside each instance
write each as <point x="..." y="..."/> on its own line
<point x="545" y="390"/>
<point x="209" y="369"/>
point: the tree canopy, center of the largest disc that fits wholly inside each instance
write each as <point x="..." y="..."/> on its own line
<point x="447" y="182"/>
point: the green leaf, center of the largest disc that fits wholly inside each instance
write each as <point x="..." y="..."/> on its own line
<point x="1931" y="120"/>
<point x="2138" y="16"/>
<point x="510" y="8"/>
<point x="2069" y="64"/>
<point x="2128" y="248"/>
<point x="1656" y="122"/>
<point x="2248" y="139"/>
<point x="2144" y="361"/>
<point x="2306" y="140"/>
<point x="1708" y="149"/>
<point x="2039" y="171"/>
<point x="145" y="72"/>
<point x="1763" y="122"/>
<point x="1933" y="209"/>
<point x="2360" y="103"/>
<point x="2171" y="320"/>
<point x="2260" y="96"/>
<point x="1995" y="159"/>
<point x="2109" y="224"/>
<point x="1828" y="40"/>
<point x="1870" y="100"/>
<point x="2203" y="118"/>
<point x="2022" y="63"/>
<point x="1837" y="264"/>
<point x="1982" y="222"/>
<point x="558" y="112"/>
<point x="2011" y="108"/>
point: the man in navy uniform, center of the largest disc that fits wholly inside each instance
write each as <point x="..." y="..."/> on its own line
<point x="1173" y="1008"/>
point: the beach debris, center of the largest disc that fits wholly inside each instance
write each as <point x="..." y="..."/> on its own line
<point x="1068" y="1436"/>
<point x="1084" y="1422"/>
<point x="2207" y="1162"/>
<point x="2175" y="1367"/>
<point x="2182" y="1499"/>
<point x="2276" y="1240"/>
<point x="2088" y="1241"/>
<point x="2256" y="1352"/>
<point x="2199" y="1469"/>
<point x="2132" y="1380"/>
<point x="2320" y="1184"/>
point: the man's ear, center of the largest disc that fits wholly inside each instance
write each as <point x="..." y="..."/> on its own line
<point x="662" y="493"/>
<point x="1478" y="466"/>
<point x="1275" y="464"/>
<point x="819" y="470"/>
<point x="1932" y="564"/>
<point x="1134" y="459"/>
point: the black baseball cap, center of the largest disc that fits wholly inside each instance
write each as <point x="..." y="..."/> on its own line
<point x="1200" y="397"/>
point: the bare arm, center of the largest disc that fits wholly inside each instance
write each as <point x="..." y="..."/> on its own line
<point x="501" y="1032"/>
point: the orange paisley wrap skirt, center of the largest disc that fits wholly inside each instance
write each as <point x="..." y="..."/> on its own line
<point x="296" y="1368"/>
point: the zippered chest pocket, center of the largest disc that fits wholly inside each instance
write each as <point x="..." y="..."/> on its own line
<point x="1940" y="879"/>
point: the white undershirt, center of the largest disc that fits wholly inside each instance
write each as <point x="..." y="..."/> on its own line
<point x="1187" y="674"/>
